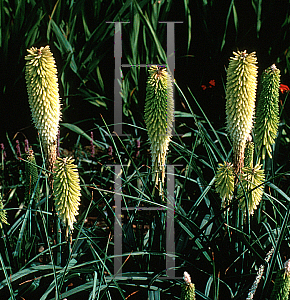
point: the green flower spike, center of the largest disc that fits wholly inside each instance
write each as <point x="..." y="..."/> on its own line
<point x="240" y="94"/>
<point x="224" y="182"/>
<point x="66" y="187"/>
<point x="281" y="287"/>
<point x="252" y="184"/>
<point x="267" y="116"/>
<point x="159" y="115"/>
<point x="31" y="177"/>
<point x="43" y="96"/>
<point x="187" y="288"/>
<point x="3" y="215"/>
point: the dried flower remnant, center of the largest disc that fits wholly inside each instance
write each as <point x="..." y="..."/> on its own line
<point x="2" y="147"/>
<point x="18" y="151"/>
<point x="110" y="150"/>
<point x="26" y="145"/>
<point x="138" y="145"/>
<point x="92" y="145"/>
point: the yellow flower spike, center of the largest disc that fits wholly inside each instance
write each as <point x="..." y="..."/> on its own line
<point x="159" y="116"/>
<point x="252" y="184"/>
<point x="66" y="189"/>
<point x="267" y="117"/>
<point x="43" y="96"/>
<point x="240" y="95"/>
<point x="224" y="182"/>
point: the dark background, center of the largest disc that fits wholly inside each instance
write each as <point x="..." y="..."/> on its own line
<point x="206" y="60"/>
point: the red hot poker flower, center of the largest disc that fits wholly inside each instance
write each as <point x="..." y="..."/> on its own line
<point x="212" y="82"/>
<point x="284" y="88"/>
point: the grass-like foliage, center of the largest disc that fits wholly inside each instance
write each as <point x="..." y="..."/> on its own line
<point x="78" y="206"/>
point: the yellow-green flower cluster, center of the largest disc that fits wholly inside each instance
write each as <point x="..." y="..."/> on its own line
<point x="66" y="189"/>
<point x="267" y="117"/>
<point x="159" y="116"/>
<point x="252" y="186"/>
<point x="224" y="183"/>
<point x="240" y="95"/>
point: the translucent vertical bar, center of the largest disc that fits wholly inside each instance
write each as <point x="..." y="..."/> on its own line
<point x="117" y="88"/>
<point x="118" y="223"/>
<point x="171" y="55"/>
<point x="170" y="241"/>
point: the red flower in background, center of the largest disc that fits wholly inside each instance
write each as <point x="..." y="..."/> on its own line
<point x="284" y="88"/>
<point x="211" y="84"/>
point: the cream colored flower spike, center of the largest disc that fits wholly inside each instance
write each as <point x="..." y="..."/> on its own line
<point x="240" y="95"/>
<point x="66" y="188"/>
<point x="43" y="96"/>
<point x="42" y="87"/>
